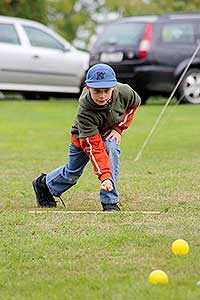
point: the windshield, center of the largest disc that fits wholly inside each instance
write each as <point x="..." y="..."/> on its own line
<point x="122" y="34"/>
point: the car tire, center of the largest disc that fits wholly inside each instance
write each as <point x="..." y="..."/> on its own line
<point x="35" y="96"/>
<point x="82" y="85"/>
<point x="189" y="88"/>
<point x="144" y="97"/>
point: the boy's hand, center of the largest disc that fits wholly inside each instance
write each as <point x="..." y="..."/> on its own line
<point x="114" y="135"/>
<point x="107" y="185"/>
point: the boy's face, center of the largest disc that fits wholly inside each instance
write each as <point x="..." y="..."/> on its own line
<point x="101" y="96"/>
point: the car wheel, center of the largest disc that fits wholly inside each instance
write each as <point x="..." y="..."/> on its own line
<point x="144" y="96"/>
<point x="82" y="85"/>
<point x="189" y="89"/>
<point x="35" y="96"/>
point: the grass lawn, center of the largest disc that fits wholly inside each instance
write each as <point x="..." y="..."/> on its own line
<point x="95" y="256"/>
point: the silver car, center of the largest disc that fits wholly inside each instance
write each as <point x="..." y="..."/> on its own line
<point x="36" y="61"/>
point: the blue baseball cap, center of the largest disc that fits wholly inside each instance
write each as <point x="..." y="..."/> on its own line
<point x="101" y="76"/>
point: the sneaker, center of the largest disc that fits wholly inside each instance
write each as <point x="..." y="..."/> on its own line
<point x="43" y="196"/>
<point x="110" y="207"/>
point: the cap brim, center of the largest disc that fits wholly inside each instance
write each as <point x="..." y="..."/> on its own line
<point x="101" y="85"/>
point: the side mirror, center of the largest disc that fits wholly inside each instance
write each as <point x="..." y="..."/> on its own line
<point x="66" y="48"/>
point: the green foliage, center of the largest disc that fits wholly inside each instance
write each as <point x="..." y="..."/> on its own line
<point x="140" y="7"/>
<point x="175" y="6"/>
<point x="67" y="17"/>
<point x="32" y="9"/>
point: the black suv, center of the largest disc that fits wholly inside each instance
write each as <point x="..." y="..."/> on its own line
<point x="151" y="52"/>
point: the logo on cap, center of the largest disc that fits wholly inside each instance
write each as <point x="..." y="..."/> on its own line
<point x="100" y="75"/>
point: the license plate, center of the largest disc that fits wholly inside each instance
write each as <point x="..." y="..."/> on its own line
<point x="111" y="57"/>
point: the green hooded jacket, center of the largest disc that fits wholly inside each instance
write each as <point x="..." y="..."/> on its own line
<point x="92" y="119"/>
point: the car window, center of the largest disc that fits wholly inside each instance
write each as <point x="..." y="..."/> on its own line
<point x="122" y="34"/>
<point x="178" y="33"/>
<point x="39" y="38"/>
<point x="8" y="34"/>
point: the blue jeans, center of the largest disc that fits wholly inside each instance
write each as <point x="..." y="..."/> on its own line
<point x="64" y="177"/>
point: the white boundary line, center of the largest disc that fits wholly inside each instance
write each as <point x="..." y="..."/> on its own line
<point x="91" y="212"/>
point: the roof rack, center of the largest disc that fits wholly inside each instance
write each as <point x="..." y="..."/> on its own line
<point x="147" y="18"/>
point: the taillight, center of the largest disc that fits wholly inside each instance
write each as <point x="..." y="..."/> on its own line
<point x="145" y="43"/>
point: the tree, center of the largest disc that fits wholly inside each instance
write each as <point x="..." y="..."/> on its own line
<point x="73" y="17"/>
<point x="144" y="7"/>
<point x="175" y="6"/>
<point x="32" y="9"/>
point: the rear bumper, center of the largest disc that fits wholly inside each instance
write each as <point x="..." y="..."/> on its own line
<point x="148" y="78"/>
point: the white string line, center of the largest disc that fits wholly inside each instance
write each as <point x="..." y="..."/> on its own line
<point x="166" y="104"/>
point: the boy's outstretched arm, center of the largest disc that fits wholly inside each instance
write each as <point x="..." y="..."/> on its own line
<point x="95" y="148"/>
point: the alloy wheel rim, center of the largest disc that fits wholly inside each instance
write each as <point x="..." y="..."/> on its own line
<point x="191" y="88"/>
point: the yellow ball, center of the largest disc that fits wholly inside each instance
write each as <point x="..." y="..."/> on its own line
<point x="158" y="277"/>
<point x="180" y="247"/>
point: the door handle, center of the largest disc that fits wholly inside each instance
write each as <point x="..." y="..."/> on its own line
<point x="35" y="56"/>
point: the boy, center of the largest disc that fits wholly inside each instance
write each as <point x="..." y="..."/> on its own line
<point x="106" y="109"/>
